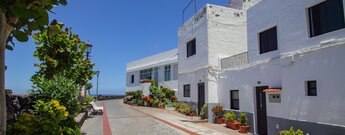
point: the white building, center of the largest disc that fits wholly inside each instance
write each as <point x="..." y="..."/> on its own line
<point x="161" y="67"/>
<point x="212" y="33"/>
<point x="295" y="74"/>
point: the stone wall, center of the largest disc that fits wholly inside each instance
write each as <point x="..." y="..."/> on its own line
<point x="16" y="104"/>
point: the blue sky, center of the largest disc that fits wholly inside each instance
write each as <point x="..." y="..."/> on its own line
<point x="120" y="31"/>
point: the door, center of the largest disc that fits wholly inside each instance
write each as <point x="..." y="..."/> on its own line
<point x="261" y="115"/>
<point x="201" y="96"/>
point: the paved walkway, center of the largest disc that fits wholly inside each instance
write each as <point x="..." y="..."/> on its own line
<point x="122" y="119"/>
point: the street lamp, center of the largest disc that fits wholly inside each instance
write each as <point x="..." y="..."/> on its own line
<point x="97" y="72"/>
<point x="88" y="51"/>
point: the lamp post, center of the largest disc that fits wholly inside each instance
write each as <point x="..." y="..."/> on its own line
<point x="97" y="72"/>
<point x="88" y="52"/>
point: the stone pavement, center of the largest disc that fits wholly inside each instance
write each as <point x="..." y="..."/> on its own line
<point x="122" y="119"/>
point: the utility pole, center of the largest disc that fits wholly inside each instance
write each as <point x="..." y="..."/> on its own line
<point x="97" y="72"/>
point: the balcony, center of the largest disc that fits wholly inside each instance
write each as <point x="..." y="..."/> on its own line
<point x="234" y="61"/>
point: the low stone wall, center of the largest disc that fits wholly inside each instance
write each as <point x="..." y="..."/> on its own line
<point x="17" y="104"/>
<point x="100" y="97"/>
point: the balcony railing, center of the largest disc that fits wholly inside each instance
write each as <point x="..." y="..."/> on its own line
<point x="234" y="61"/>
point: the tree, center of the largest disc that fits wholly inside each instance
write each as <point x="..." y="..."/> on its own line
<point x="62" y="52"/>
<point x="18" y="18"/>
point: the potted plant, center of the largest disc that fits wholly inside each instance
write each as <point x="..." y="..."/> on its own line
<point x="244" y="127"/>
<point x="186" y="111"/>
<point x="230" y="120"/>
<point x="291" y="132"/>
<point x="161" y="105"/>
<point x="192" y="113"/>
<point x="203" y="112"/>
<point x="218" y="114"/>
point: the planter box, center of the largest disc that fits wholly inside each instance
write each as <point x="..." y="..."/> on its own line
<point x="81" y="118"/>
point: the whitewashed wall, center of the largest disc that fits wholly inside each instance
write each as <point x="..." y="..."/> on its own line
<point x="245" y="80"/>
<point x="279" y="69"/>
<point x="219" y="32"/>
<point x="327" y="67"/>
<point x="293" y="29"/>
<point x="159" y="60"/>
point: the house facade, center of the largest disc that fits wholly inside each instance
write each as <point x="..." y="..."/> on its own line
<point x="161" y="68"/>
<point x="280" y="61"/>
<point x="295" y="71"/>
<point x="212" y="33"/>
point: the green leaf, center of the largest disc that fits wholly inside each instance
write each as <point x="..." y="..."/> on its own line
<point x="43" y="20"/>
<point x="45" y="2"/>
<point x="53" y="30"/>
<point x="34" y="26"/>
<point x="20" y="36"/>
<point x="63" y="2"/>
<point x="39" y="11"/>
<point x="8" y="47"/>
<point x="20" y="10"/>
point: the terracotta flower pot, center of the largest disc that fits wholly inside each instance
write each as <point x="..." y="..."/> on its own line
<point x="161" y="107"/>
<point x="192" y="114"/>
<point x="228" y="124"/>
<point x="220" y="121"/>
<point x="235" y="125"/>
<point x="244" y="129"/>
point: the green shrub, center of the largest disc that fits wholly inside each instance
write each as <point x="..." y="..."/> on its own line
<point x="156" y="92"/>
<point x="181" y="107"/>
<point x="169" y="93"/>
<point x="154" y="83"/>
<point x="89" y="99"/>
<point x="243" y="119"/>
<point x="186" y="110"/>
<point x="59" y="88"/>
<point x="292" y="132"/>
<point x="130" y="93"/>
<point x="175" y="104"/>
<point x="48" y="118"/>
<point x="203" y="112"/>
<point x="230" y="116"/>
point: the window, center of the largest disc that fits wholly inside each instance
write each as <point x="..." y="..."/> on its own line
<point x="268" y="40"/>
<point x="167" y="73"/>
<point x="132" y="78"/>
<point x="146" y="74"/>
<point x="191" y="48"/>
<point x="234" y="100"/>
<point x="326" y="17"/>
<point x="311" y="88"/>
<point x="186" y="90"/>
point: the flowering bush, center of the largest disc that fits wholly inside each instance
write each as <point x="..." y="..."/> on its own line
<point x="58" y="88"/>
<point x="48" y="118"/>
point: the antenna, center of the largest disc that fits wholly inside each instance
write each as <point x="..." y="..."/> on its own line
<point x="183" y="11"/>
